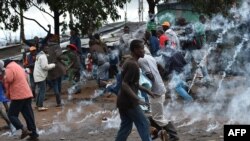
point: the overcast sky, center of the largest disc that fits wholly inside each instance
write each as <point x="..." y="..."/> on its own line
<point x="32" y="29"/>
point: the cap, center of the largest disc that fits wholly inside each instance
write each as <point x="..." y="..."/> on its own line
<point x="32" y="48"/>
<point x="1" y="65"/>
<point x="166" y="24"/>
<point x="72" y="46"/>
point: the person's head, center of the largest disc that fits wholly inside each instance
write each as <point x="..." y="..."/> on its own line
<point x="1" y="67"/>
<point x="202" y="19"/>
<point x="45" y="48"/>
<point x="165" y="25"/>
<point x="137" y="49"/>
<point x="89" y="55"/>
<point x="73" y="31"/>
<point x="36" y="39"/>
<point x="159" y="33"/>
<point x="53" y="38"/>
<point x="126" y="29"/>
<point x="181" y="21"/>
<point x="32" y="50"/>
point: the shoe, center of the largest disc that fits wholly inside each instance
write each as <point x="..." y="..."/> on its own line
<point x="25" y="133"/>
<point x="32" y="138"/>
<point x="42" y="108"/>
<point x="59" y="105"/>
<point x="163" y="135"/>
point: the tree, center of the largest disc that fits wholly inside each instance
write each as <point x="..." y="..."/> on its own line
<point x="58" y="7"/>
<point x="88" y="14"/>
<point x="210" y="7"/>
<point x="91" y="14"/>
<point x="151" y="6"/>
<point x="11" y="13"/>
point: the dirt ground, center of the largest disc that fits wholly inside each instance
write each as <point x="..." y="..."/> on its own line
<point x="83" y="119"/>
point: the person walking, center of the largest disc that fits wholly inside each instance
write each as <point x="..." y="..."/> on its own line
<point x="15" y="80"/>
<point x="40" y="74"/>
<point x="149" y="67"/>
<point x="128" y="101"/>
<point x="55" y="55"/>
<point x="29" y="63"/>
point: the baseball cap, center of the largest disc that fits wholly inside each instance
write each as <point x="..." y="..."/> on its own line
<point x="32" y="48"/>
<point x="165" y="24"/>
<point x="72" y="46"/>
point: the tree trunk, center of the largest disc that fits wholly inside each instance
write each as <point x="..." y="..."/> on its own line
<point x="71" y="23"/>
<point x="22" y="36"/>
<point x="57" y="22"/>
<point x="151" y="6"/>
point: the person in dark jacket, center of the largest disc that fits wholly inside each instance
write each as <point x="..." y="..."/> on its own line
<point x="73" y="67"/>
<point x="75" y="39"/>
<point x="176" y="71"/>
<point x="55" y="75"/>
<point x="30" y="63"/>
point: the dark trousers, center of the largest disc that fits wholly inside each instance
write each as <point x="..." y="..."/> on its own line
<point x="23" y="106"/>
<point x="57" y="86"/>
<point x="32" y="85"/>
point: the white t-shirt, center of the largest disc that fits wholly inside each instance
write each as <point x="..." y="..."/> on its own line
<point x="148" y="65"/>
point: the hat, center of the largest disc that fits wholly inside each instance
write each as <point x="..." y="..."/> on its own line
<point x="166" y="24"/>
<point x="32" y="48"/>
<point x="72" y="46"/>
<point x="1" y="66"/>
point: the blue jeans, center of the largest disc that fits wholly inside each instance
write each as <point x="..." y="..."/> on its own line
<point x="41" y="93"/>
<point x="32" y="84"/>
<point x="57" y="86"/>
<point x="136" y="116"/>
<point x="145" y="95"/>
<point x="180" y="89"/>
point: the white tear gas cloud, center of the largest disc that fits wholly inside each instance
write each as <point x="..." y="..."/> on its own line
<point x="227" y="99"/>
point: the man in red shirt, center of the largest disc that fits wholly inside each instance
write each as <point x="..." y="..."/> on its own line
<point x="163" y="39"/>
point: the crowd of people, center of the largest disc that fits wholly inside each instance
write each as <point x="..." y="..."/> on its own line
<point x="160" y="56"/>
<point x="141" y="67"/>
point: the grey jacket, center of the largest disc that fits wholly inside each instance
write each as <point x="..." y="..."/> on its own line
<point x="55" y="56"/>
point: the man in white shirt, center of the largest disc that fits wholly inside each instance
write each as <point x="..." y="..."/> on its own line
<point x="149" y="67"/>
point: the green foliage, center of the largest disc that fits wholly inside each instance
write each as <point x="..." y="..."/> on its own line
<point x="91" y="14"/>
<point x="88" y="14"/>
<point x="8" y="17"/>
<point x="210" y="7"/>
